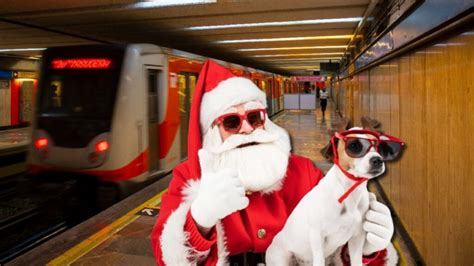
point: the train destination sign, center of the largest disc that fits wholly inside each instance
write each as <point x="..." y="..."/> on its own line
<point x="309" y="78"/>
<point x="81" y="63"/>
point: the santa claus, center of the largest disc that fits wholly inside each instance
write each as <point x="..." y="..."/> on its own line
<point x="240" y="182"/>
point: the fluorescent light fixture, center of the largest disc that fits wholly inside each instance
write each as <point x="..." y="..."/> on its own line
<point x="329" y="37"/>
<point x="293" y="48"/>
<point x="450" y="44"/>
<point x="388" y="65"/>
<point x="314" y="59"/>
<point x="21" y="49"/>
<point x="276" y="23"/>
<point x="162" y="3"/>
<point x="300" y="67"/>
<point x="286" y="55"/>
<point x="428" y="52"/>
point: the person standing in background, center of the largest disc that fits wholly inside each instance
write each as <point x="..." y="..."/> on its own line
<point x="323" y="98"/>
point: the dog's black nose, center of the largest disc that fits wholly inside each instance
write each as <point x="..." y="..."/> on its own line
<point x="376" y="162"/>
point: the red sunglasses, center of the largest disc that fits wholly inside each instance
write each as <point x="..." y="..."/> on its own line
<point x="389" y="147"/>
<point x="232" y="122"/>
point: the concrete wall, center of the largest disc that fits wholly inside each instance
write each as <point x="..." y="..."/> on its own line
<point x="11" y="91"/>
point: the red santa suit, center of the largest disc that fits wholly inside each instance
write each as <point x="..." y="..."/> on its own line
<point x="176" y="239"/>
<point x="251" y="229"/>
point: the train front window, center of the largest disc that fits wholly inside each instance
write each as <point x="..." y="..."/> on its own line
<point x="77" y="92"/>
<point x="84" y="93"/>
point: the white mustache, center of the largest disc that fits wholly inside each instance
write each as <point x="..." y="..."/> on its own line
<point x="258" y="136"/>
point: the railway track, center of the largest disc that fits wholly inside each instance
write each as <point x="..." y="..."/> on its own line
<point x="33" y="210"/>
<point x="36" y="209"/>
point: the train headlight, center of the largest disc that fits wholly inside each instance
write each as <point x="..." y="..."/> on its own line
<point x="101" y="146"/>
<point x="98" y="149"/>
<point x="41" y="143"/>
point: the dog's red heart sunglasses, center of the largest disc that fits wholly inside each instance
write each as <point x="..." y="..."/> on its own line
<point x="359" y="142"/>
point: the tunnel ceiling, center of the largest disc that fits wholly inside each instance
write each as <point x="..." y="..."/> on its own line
<point x="294" y="38"/>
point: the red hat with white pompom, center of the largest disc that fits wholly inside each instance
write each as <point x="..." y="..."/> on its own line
<point x="217" y="89"/>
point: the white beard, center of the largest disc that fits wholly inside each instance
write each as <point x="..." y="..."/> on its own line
<point x="260" y="167"/>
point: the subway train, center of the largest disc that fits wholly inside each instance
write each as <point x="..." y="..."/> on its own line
<point x="120" y="113"/>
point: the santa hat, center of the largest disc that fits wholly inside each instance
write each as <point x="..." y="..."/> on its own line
<point x="217" y="89"/>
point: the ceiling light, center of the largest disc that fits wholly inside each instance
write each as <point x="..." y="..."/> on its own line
<point x="303" y="59"/>
<point x="276" y="23"/>
<point x="162" y="3"/>
<point x="300" y="67"/>
<point x="21" y="49"/>
<point x="286" y="39"/>
<point x="285" y="55"/>
<point x="294" y="48"/>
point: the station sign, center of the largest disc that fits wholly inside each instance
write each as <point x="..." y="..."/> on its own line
<point x="6" y="74"/>
<point x="26" y="75"/>
<point x="308" y="78"/>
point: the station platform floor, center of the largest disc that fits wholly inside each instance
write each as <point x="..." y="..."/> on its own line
<point x="13" y="146"/>
<point x="121" y="234"/>
<point x="14" y="139"/>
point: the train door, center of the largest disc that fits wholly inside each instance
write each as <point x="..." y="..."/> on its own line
<point x="153" y="145"/>
<point x="186" y="85"/>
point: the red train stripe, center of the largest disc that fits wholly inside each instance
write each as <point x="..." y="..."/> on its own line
<point x="138" y="166"/>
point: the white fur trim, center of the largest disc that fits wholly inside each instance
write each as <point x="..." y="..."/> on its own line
<point x="222" y="252"/>
<point x="392" y="256"/>
<point x="174" y="239"/>
<point x="230" y="92"/>
<point x="191" y="190"/>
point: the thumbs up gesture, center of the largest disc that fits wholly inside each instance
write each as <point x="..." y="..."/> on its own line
<point x="220" y="193"/>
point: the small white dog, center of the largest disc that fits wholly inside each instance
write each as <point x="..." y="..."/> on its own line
<point x="332" y="213"/>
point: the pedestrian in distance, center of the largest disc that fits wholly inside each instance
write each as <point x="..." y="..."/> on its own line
<point x="323" y="99"/>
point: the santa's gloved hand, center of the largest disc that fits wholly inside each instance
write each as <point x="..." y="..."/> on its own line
<point x="378" y="225"/>
<point x="220" y="193"/>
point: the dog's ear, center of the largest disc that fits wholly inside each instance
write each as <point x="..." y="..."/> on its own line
<point x="339" y="126"/>
<point x="371" y="124"/>
<point x="327" y="152"/>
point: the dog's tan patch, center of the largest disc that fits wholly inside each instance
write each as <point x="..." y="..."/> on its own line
<point x="345" y="161"/>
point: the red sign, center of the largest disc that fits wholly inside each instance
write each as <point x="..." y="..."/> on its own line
<point x="81" y="63"/>
<point x="309" y="78"/>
